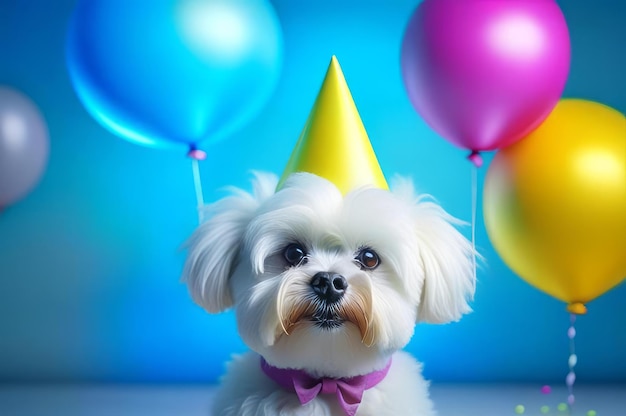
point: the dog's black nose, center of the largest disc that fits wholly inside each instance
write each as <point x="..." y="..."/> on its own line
<point x="329" y="287"/>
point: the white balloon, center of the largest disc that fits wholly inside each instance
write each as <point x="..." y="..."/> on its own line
<point x="24" y="146"/>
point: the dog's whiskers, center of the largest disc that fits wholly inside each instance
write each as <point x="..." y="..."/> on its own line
<point x="356" y="314"/>
<point x="293" y="310"/>
<point x="299" y="310"/>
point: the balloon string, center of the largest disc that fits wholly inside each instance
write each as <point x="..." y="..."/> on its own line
<point x="570" y="379"/>
<point x="474" y="203"/>
<point x="197" y="182"/>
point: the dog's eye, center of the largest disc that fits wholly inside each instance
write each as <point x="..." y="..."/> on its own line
<point x="294" y="254"/>
<point x="368" y="258"/>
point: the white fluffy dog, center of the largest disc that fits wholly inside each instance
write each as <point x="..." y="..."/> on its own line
<point x="327" y="290"/>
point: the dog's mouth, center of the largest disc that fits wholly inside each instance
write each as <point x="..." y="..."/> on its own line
<point x="327" y="318"/>
<point x="303" y="308"/>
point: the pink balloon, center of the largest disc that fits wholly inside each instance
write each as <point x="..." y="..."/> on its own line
<point x="484" y="73"/>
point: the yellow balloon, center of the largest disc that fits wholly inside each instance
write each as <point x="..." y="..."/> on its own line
<point x="554" y="203"/>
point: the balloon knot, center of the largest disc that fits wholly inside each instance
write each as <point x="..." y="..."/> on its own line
<point x="577" y="308"/>
<point x="197" y="154"/>
<point x="475" y="158"/>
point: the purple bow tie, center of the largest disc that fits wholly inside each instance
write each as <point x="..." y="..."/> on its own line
<point x="349" y="390"/>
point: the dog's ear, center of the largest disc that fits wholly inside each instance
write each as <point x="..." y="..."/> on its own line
<point x="449" y="266"/>
<point x="213" y="249"/>
<point x="447" y="257"/>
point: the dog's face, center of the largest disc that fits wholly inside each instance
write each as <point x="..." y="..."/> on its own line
<point x="329" y="283"/>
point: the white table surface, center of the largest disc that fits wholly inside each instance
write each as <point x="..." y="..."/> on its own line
<point x="451" y="400"/>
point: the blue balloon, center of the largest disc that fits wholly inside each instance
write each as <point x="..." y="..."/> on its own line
<point x="180" y="72"/>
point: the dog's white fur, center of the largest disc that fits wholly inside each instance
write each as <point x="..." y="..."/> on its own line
<point x="235" y="259"/>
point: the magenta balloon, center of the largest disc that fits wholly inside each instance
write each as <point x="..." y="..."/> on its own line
<point x="24" y="146"/>
<point x="484" y="73"/>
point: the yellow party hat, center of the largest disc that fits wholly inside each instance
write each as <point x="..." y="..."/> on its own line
<point x="334" y="143"/>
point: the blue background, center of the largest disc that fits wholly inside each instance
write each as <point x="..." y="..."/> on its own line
<point x="90" y="260"/>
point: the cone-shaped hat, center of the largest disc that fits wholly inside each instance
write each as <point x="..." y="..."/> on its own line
<point x="334" y="143"/>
